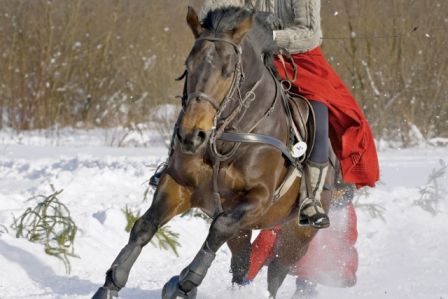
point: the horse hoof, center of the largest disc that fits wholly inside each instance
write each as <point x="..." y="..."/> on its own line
<point x="171" y="290"/>
<point x="105" y="293"/>
<point x="241" y="282"/>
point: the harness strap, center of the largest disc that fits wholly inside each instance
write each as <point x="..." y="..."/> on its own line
<point x="258" y="138"/>
<point x="291" y="176"/>
<point x="293" y="63"/>
<point x="216" y="196"/>
<point x="203" y="96"/>
<point x="238" y="48"/>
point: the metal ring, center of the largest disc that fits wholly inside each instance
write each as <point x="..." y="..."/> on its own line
<point x="286" y="87"/>
<point x="250" y="96"/>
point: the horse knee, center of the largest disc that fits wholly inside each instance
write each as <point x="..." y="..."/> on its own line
<point x="142" y="231"/>
<point x="225" y="226"/>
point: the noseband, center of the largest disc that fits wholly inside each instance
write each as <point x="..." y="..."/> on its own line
<point x="244" y="101"/>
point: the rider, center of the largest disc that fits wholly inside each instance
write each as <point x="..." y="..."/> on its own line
<point x="338" y="116"/>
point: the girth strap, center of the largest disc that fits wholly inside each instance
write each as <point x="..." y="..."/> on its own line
<point x="258" y="138"/>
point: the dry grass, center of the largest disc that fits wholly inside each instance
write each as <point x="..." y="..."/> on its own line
<point x="398" y="75"/>
<point x="88" y="63"/>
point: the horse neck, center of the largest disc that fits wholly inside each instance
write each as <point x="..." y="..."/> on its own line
<point x="252" y="65"/>
<point x="254" y="71"/>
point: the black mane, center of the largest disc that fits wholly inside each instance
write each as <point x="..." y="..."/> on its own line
<point x="226" y="19"/>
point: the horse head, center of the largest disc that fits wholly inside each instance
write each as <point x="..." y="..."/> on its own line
<point x="212" y="68"/>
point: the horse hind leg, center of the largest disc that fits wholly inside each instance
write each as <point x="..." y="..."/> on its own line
<point x="240" y="247"/>
<point x="164" y="207"/>
<point x="294" y="241"/>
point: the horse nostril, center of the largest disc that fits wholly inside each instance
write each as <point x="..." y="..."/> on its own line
<point x="191" y="140"/>
<point x="201" y="134"/>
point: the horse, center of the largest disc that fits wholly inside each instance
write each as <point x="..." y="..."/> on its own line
<point x="230" y="157"/>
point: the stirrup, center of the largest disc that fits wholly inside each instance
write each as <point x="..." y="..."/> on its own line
<point x="317" y="220"/>
<point x="154" y="180"/>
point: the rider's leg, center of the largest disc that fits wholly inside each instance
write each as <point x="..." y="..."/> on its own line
<point x="311" y="211"/>
<point x="154" y="180"/>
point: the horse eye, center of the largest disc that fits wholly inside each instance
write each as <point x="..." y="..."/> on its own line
<point x="227" y="72"/>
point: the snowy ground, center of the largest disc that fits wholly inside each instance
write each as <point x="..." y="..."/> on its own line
<point x="404" y="257"/>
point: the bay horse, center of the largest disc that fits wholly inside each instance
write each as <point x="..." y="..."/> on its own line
<point x="229" y="157"/>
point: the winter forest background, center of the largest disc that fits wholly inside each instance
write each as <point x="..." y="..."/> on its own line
<point x="87" y="106"/>
<point x="109" y="63"/>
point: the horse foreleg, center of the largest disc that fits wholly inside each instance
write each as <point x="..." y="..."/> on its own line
<point x="170" y="200"/>
<point x="224" y="227"/>
<point x="294" y="241"/>
<point x="240" y="247"/>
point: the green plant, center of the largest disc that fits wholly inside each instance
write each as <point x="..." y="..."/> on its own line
<point x="3" y="229"/>
<point x="374" y="210"/>
<point x="430" y="194"/>
<point x="49" y="223"/>
<point x="196" y="213"/>
<point x="131" y="217"/>
<point x="164" y="238"/>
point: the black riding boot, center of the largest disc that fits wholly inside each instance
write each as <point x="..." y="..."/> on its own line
<point x="154" y="180"/>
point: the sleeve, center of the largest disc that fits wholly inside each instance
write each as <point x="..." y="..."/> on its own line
<point x="214" y="4"/>
<point x="306" y="25"/>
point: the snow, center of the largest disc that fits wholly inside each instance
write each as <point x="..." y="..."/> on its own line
<point x="403" y="257"/>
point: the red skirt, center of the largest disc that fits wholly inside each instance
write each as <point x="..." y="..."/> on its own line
<point x="350" y="133"/>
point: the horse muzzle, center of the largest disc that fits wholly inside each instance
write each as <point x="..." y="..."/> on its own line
<point x="192" y="141"/>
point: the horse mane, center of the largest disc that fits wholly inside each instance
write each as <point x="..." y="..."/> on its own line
<point x="226" y="19"/>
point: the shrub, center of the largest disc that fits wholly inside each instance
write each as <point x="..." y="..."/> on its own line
<point x="3" y="229"/>
<point x="431" y="193"/>
<point x="49" y="223"/>
<point x="164" y="238"/>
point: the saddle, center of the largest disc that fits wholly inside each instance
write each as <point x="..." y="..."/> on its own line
<point x="302" y="121"/>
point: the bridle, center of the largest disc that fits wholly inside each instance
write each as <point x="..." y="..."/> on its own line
<point x="244" y="102"/>
<point x="220" y="123"/>
<point x="237" y="78"/>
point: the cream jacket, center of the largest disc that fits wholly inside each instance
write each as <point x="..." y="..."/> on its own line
<point x="301" y="19"/>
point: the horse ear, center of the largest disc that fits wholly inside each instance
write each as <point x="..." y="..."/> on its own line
<point x="240" y="31"/>
<point x="193" y="22"/>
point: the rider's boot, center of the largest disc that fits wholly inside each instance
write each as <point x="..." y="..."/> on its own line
<point x="154" y="180"/>
<point x="311" y="212"/>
